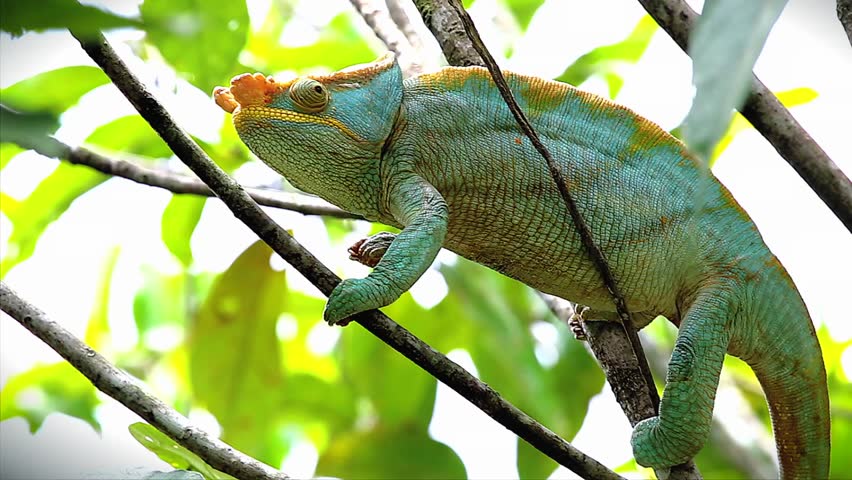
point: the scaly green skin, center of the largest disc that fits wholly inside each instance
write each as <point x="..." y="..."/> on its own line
<point x="440" y="156"/>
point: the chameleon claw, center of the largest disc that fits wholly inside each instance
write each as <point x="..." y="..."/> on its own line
<point x="369" y="251"/>
<point x="576" y="322"/>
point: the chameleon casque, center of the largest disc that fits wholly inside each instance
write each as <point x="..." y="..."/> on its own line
<point x="440" y="156"/>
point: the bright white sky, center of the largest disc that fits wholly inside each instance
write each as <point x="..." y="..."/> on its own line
<point x="806" y="48"/>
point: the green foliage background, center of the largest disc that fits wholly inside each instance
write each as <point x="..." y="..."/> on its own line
<point x="366" y="409"/>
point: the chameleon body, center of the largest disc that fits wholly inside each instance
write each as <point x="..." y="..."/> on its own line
<point x="441" y="157"/>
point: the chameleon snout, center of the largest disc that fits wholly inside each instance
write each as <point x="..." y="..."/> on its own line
<point x="246" y="90"/>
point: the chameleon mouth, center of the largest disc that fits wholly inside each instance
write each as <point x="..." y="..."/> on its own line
<point x="247" y="90"/>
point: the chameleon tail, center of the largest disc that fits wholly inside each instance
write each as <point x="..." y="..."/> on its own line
<point x="787" y="360"/>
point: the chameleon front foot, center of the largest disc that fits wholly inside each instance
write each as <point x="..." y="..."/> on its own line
<point x="368" y="251"/>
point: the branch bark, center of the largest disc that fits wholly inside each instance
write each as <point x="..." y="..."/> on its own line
<point x="175" y="183"/>
<point x="122" y="387"/>
<point x="239" y="202"/>
<point x="763" y="109"/>
<point x="844" y="14"/>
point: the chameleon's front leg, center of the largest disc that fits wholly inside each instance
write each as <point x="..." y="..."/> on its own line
<point x="686" y="409"/>
<point x="417" y="205"/>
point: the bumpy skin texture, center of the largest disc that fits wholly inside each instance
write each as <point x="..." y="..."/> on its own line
<point x="441" y="157"/>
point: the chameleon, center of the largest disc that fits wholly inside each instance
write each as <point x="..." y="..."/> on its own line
<point x="440" y="157"/>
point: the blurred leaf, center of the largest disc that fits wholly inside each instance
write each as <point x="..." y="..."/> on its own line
<point x="724" y="45"/>
<point x="340" y="44"/>
<point x="170" y="452"/>
<point x="391" y="454"/>
<point x="19" y="16"/>
<point x="523" y="10"/>
<point x="309" y="398"/>
<point x="377" y="372"/>
<point x="179" y="220"/>
<point x="605" y="60"/>
<point x="200" y="38"/>
<point x="28" y="130"/>
<point x="8" y="151"/>
<point x="234" y="358"/>
<point x="789" y="98"/>
<point x="54" y="91"/>
<point x="97" y="330"/>
<point x="130" y="135"/>
<point x="48" y="201"/>
<point x="47" y="389"/>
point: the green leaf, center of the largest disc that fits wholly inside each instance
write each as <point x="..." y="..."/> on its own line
<point x="50" y="199"/>
<point x="130" y="135"/>
<point x="47" y="389"/>
<point x="605" y="60"/>
<point x="200" y="38"/>
<point x="28" y="130"/>
<point x="383" y="454"/>
<point x="726" y="42"/>
<point x="523" y="10"/>
<point x="54" y="91"/>
<point x="233" y="354"/>
<point x="19" y="16"/>
<point x="180" y="218"/>
<point x="170" y="452"/>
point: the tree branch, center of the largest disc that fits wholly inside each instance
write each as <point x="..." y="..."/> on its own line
<point x="844" y="14"/>
<point x="763" y="109"/>
<point x="175" y="183"/>
<point x="122" y="387"/>
<point x="239" y="202"/>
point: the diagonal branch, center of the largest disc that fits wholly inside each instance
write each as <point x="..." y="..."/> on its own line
<point x="763" y="109"/>
<point x="239" y="202"/>
<point x="175" y="183"/>
<point x="592" y="249"/>
<point x="122" y="387"/>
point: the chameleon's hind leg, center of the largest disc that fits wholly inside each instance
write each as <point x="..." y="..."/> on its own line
<point x="686" y="409"/>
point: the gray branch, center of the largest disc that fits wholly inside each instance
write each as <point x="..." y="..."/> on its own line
<point x="763" y="109"/>
<point x="122" y="387"/>
<point x="175" y="183"/>
<point x="844" y="14"/>
<point x="246" y="210"/>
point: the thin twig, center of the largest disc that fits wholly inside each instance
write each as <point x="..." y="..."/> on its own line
<point x="763" y="109"/>
<point x="122" y="387"/>
<point x="176" y="183"/>
<point x="386" y="31"/>
<point x="592" y="249"/>
<point x="236" y="199"/>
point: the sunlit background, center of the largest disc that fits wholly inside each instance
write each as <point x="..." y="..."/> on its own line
<point x="118" y="226"/>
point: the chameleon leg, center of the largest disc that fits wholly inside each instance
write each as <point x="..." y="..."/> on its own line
<point x="686" y="409"/>
<point x="369" y="251"/>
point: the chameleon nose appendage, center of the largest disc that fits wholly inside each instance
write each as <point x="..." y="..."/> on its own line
<point x="246" y="90"/>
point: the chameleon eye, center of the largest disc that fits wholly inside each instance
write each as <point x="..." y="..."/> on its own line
<point x="309" y="95"/>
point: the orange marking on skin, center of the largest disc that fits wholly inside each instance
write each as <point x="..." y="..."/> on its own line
<point x="518" y="141"/>
<point x="664" y="220"/>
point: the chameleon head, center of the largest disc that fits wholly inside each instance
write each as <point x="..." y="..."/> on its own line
<point x="322" y="133"/>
